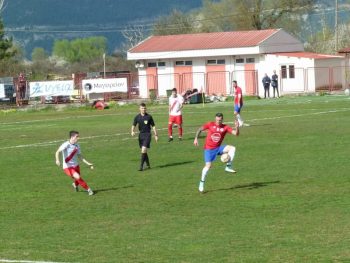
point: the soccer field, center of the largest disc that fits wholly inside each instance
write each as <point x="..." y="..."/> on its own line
<point x="288" y="202"/>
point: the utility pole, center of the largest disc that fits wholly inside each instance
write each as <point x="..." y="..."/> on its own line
<point x="104" y="65"/>
<point x="336" y="25"/>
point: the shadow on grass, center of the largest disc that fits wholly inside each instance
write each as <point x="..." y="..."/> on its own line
<point x="250" y="186"/>
<point x="173" y="164"/>
<point x="111" y="189"/>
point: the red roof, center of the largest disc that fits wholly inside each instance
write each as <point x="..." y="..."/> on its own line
<point x="306" y="55"/>
<point x="200" y="41"/>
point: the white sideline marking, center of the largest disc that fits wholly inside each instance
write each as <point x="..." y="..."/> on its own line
<point x="27" y="261"/>
<point x="41" y="144"/>
<point x="299" y="115"/>
<point x="87" y="116"/>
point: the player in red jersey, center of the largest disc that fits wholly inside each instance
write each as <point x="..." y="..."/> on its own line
<point x="238" y="103"/>
<point x="216" y="134"/>
<point x="70" y="153"/>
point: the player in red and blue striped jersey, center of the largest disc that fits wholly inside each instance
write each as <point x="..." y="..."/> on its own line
<point x="216" y="134"/>
<point x="238" y="102"/>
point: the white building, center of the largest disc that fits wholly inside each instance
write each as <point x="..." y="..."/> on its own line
<point x="210" y="61"/>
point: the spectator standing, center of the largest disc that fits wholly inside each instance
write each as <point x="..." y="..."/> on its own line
<point x="266" y="83"/>
<point x="274" y="84"/>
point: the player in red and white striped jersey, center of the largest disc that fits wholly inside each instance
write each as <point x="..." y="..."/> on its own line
<point x="71" y="153"/>
<point x="175" y="115"/>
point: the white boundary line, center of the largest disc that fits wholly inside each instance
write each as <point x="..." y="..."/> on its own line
<point x="159" y="112"/>
<point x="43" y="144"/>
<point x="27" y="261"/>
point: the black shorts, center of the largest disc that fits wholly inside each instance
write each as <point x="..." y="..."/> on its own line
<point x="145" y="140"/>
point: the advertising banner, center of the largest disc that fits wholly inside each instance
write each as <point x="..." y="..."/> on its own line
<point x="105" y="85"/>
<point x="2" y="91"/>
<point x="51" y="88"/>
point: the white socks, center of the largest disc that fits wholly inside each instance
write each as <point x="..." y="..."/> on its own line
<point x="204" y="173"/>
<point x="231" y="153"/>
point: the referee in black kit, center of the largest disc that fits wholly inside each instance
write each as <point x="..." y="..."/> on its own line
<point x="145" y="122"/>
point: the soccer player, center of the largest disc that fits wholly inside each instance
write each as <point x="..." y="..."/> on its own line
<point x="145" y="123"/>
<point x="238" y="102"/>
<point x="175" y="115"/>
<point x="216" y="134"/>
<point x="70" y="153"/>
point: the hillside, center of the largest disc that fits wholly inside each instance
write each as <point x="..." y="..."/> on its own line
<point x="37" y="23"/>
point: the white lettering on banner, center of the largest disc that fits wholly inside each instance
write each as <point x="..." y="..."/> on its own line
<point x="2" y="91"/>
<point x="51" y="88"/>
<point x="105" y="85"/>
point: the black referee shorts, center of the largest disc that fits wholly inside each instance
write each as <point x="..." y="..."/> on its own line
<point x="145" y="140"/>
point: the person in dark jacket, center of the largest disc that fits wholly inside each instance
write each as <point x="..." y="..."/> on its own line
<point x="274" y="84"/>
<point x="266" y="83"/>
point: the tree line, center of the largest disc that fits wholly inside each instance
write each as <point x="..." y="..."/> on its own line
<point x="87" y="54"/>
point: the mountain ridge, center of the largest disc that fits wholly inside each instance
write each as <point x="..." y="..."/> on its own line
<point x="38" y="23"/>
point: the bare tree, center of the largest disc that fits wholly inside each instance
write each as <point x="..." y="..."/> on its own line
<point x="253" y="14"/>
<point x="133" y="34"/>
<point x="2" y="6"/>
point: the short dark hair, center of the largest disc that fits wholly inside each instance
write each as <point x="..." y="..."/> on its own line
<point x="174" y="89"/>
<point x="73" y="133"/>
<point x="143" y="104"/>
<point x="219" y="114"/>
<point x="234" y="81"/>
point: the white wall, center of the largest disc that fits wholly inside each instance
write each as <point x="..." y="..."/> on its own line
<point x="286" y="85"/>
<point x="305" y="70"/>
<point x="165" y="77"/>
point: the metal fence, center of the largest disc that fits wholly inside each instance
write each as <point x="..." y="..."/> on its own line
<point x="300" y="80"/>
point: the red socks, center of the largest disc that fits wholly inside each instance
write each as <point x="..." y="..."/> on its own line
<point x="82" y="183"/>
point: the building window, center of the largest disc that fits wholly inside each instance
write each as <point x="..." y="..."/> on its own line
<point x="284" y="72"/>
<point x="152" y="64"/>
<point x="239" y="60"/>
<point x="216" y="62"/>
<point x="250" y="60"/>
<point x="288" y="71"/>
<point x="183" y="63"/>
<point x="161" y="64"/>
<point x="291" y="72"/>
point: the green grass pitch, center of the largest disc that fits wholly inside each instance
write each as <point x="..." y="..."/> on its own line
<point x="288" y="202"/>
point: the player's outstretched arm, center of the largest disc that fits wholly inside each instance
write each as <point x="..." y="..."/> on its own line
<point x="195" y="142"/>
<point x="132" y="130"/>
<point x="57" y="156"/>
<point x="86" y="161"/>
<point x="235" y="130"/>
<point x="155" y="133"/>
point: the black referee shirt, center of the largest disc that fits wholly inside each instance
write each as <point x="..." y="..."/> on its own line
<point x="145" y="122"/>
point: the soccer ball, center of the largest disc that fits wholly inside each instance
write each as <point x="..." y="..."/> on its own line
<point x="347" y="92"/>
<point x="225" y="158"/>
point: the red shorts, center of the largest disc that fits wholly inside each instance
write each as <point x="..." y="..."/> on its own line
<point x="71" y="170"/>
<point x="175" y="119"/>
